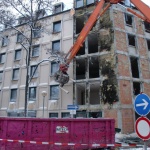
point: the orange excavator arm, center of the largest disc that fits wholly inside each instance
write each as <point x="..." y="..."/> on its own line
<point x="61" y="76"/>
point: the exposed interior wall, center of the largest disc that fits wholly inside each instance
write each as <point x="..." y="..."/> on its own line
<point x="94" y="68"/>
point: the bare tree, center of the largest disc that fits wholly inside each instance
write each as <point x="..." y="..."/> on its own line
<point x="27" y="13"/>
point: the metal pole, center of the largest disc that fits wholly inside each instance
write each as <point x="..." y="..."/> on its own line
<point x="43" y="105"/>
<point x="145" y="146"/>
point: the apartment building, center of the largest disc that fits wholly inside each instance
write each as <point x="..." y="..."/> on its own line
<point x="57" y="36"/>
<point x="110" y="69"/>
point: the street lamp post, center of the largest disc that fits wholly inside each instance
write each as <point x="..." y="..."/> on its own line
<point x="44" y="93"/>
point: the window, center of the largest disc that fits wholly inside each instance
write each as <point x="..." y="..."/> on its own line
<point x="2" y="57"/>
<point x="131" y="40"/>
<point x="56" y="26"/>
<point x="35" y="51"/>
<point x="147" y="27"/>
<point x="18" y="54"/>
<point x="5" y="41"/>
<point x="128" y="19"/>
<point x="19" y="37"/>
<point x="33" y="71"/>
<point x="1" y="76"/>
<point x="55" y="46"/>
<point x="134" y="67"/>
<point x="54" y="92"/>
<point x="65" y="115"/>
<point x="57" y="8"/>
<point x="88" y="2"/>
<point x="13" y="95"/>
<point x="32" y="93"/>
<point x="54" y="67"/>
<point x="136" y="88"/>
<point x="15" y="74"/>
<point x="148" y="44"/>
<point x="37" y="32"/>
<point x="53" y="115"/>
<point x="79" y="3"/>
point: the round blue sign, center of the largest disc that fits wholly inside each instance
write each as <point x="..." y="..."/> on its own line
<point x="142" y="104"/>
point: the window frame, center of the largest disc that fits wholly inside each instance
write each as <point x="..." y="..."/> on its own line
<point x="147" y="29"/>
<point x="132" y="17"/>
<point x="12" y="98"/>
<point x="58" y="8"/>
<point x="32" y="96"/>
<point x="52" y="92"/>
<point x="53" y="113"/>
<point x="80" y="5"/>
<point x="53" y="45"/>
<point x="36" y="32"/>
<point x="15" y="56"/>
<point x="5" y="41"/>
<point x="1" y="76"/>
<point x="148" y="44"/>
<point x="13" y="74"/>
<point x="89" y="3"/>
<point x="32" y="71"/>
<point x="53" y="67"/>
<point x="4" y="59"/>
<point x="135" y="40"/>
<point x="54" y="25"/>
<point x="35" y="48"/>
<point x="19" y="38"/>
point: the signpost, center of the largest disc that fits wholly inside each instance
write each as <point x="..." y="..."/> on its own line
<point x="142" y="124"/>
<point x="72" y="109"/>
<point x="142" y="104"/>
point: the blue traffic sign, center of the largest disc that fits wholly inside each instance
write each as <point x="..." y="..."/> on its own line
<point x="72" y="107"/>
<point x="142" y="104"/>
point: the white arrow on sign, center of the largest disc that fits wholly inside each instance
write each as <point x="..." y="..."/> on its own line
<point x="145" y="104"/>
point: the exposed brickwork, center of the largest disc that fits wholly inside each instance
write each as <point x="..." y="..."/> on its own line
<point x="127" y="120"/>
<point x="139" y="26"/>
<point x="119" y="19"/>
<point x="125" y="95"/>
<point x="111" y="114"/>
<point x="123" y="65"/>
<point x="147" y="88"/>
<point x="142" y="46"/>
<point x="121" y="43"/>
<point x="145" y="69"/>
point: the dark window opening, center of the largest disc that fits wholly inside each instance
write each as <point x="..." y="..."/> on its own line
<point x="131" y="40"/>
<point x="53" y="115"/>
<point x="79" y="24"/>
<point x="94" y="93"/>
<point x="148" y="44"/>
<point x="5" y="41"/>
<point x="80" y="94"/>
<point x="65" y="115"/>
<point x="95" y="114"/>
<point x="58" y="8"/>
<point x="80" y="69"/>
<point x="134" y="67"/>
<point x="136" y="88"/>
<point x="147" y="27"/>
<point x="81" y="114"/>
<point x="55" y="46"/>
<point x="81" y="50"/>
<point x="32" y="93"/>
<point x="128" y="19"/>
<point x="93" y="43"/>
<point x="93" y="67"/>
